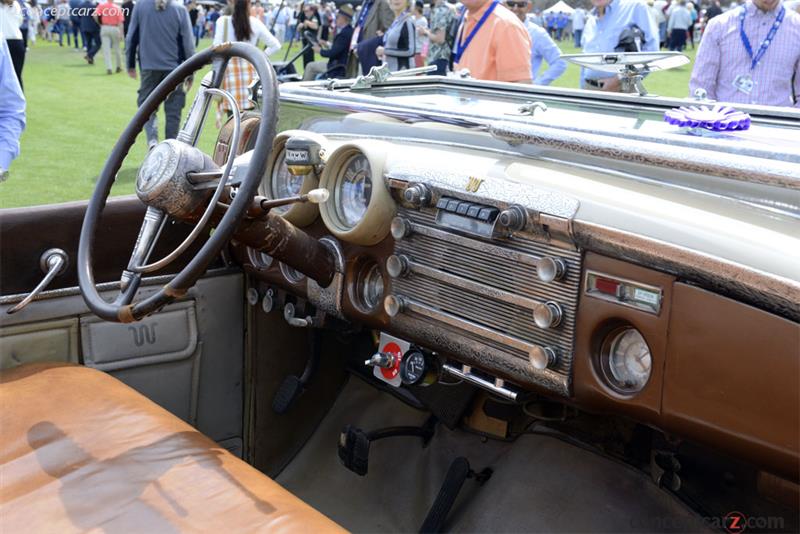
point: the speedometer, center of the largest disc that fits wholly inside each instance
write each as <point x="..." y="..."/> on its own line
<point x="360" y="208"/>
<point x="353" y="190"/>
<point x="283" y="184"/>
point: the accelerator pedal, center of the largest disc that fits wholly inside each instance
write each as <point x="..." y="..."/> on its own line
<point x="457" y="474"/>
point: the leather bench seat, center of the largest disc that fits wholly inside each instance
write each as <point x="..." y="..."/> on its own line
<point x="83" y="452"/>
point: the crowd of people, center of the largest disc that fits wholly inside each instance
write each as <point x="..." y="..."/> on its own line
<point x="748" y="52"/>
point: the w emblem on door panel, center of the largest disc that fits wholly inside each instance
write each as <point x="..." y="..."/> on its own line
<point x="143" y="333"/>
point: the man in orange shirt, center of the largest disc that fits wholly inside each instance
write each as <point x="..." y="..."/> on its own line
<point x="110" y="18"/>
<point x="493" y="44"/>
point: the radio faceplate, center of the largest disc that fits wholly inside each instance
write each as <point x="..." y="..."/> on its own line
<point x="506" y="304"/>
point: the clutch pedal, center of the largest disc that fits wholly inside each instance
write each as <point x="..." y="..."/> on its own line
<point x="354" y="443"/>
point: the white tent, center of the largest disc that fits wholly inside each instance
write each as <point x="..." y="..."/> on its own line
<point x="560" y="7"/>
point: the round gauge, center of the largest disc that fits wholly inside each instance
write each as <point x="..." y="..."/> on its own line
<point x="360" y="208"/>
<point x="413" y="367"/>
<point x="353" y="190"/>
<point x="291" y="274"/>
<point x="371" y="287"/>
<point x="626" y="360"/>
<point x="259" y="259"/>
<point x="284" y="184"/>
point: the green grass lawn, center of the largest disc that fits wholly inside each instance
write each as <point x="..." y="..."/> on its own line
<point x="76" y="112"/>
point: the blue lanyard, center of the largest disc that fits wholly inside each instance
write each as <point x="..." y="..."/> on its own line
<point x="767" y="41"/>
<point x="363" y="15"/>
<point x="399" y="20"/>
<point x="461" y="45"/>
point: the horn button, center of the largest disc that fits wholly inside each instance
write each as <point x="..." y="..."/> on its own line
<point x="161" y="181"/>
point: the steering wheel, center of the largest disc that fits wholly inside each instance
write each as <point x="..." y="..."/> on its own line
<point x="163" y="185"/>
<point x="311" y="37"/>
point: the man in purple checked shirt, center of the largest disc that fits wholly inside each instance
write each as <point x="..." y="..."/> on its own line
<point x="751" y="55"/>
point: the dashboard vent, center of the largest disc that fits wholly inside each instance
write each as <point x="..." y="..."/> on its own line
<point x="483" y="293"/>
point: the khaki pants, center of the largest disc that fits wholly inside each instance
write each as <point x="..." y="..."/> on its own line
<point x="110" y="37"/>
<point x="314" y="69"/>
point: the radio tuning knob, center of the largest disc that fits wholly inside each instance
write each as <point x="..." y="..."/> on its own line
<point x="549" y="269"/>
<point x="512" y="218"/>
<point x="397" y="266"/>
<point x="547" y="315"/>
<point x="399" y="228"/>
<point x="418" y="195"/>
<point x="393" y="305"/>
<point x="542" y="357"/>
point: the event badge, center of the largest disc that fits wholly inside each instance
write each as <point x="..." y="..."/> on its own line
<point x="744" y="83"/>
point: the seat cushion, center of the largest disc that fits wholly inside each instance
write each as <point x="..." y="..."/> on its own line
<point x="82" y="451"/>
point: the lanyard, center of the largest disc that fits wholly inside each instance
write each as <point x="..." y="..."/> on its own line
<point x="767" y="41"/>
<point x="363" y="15"/>
<point x="461" y="45"/>
<point x="399" y="20"/>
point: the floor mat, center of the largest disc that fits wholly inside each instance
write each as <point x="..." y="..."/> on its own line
<point x="540" y="484"/>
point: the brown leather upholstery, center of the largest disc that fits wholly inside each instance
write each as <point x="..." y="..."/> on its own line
<point x="81" y="451"/>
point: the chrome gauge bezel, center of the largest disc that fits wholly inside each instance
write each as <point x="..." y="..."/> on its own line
<point x="292" y="275"/>
<point x="610" y="378"/>
<point x="280" y="160"/>
<point x="367" y="275"/>
<point x="374" y="225"/>
<point x="359" y="163"/>
<point x="259" y="259"/>
<point x="302" y="214"/>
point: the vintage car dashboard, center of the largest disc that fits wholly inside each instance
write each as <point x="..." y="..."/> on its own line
<point x="622" y="267"/>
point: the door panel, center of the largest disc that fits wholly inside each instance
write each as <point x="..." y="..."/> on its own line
<point x="188" y="358"/>
<point x="45" y="341"/>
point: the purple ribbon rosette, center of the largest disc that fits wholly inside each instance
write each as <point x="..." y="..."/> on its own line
<point x="719" y="118"/>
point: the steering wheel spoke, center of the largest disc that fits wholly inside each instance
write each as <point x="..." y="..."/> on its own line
<point x="152" y="225"/>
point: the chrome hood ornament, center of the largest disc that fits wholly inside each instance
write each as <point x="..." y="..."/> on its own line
<point x="631" y="67"/>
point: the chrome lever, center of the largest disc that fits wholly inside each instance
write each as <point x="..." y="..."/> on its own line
<point x="53" y="262"/>
<point x="289" y="314"/>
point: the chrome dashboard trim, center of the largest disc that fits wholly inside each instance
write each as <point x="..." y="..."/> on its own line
<point x="506" y="253"/>
<point x="471" y="349"/>
<point x="786" y="173"/>
<point x="465" y="373"/>
<point x="75" y="290"/>
<point x="463" y="283"/>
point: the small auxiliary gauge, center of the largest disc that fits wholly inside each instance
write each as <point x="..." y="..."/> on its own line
<point x="413" y="367"/>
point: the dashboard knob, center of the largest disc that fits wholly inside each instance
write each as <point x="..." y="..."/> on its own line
<point x="547" y="315"/>
<point x="418" y="195"/>
<point x="252" y="296"/>
<point x="549" y="269"/>
<point x="512" y="218"/>
<point x="542" y="357"/>
<point x="381" y="359"/>
<point x="393" y="305"/>
<point x="400" y="228"/>
<point x="397" y="266"/>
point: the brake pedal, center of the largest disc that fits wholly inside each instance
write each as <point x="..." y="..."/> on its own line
<point x="292" y="386"/>
<point x="457" y="474"/>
